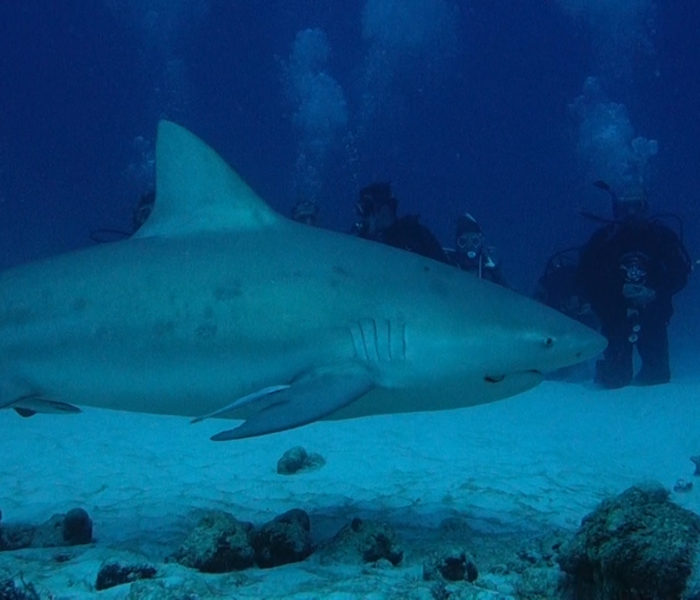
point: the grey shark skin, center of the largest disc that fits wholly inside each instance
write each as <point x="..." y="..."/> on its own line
<point x="219" y="306"/>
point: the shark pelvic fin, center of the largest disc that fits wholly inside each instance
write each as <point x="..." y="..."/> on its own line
<point x="312" y="396"/>
<point x="197" y="191"/>
<point x="27" y="406"/>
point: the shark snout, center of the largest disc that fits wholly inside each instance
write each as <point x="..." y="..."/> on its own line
<point x="594" y="345"/>
<point x="577" y="344"/>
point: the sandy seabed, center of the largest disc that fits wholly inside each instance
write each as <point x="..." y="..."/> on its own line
<point x="501" y="481"/>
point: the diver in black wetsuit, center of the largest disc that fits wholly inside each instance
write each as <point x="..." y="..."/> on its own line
<point x="558" y="287"/>
<point x="143" y="210"/>
<point x="140" y="214"/>
<point x="471" y="253"/>
<point x="629" y="270"/>
<point x="306" y="211"/>
<point x="377" y="220"/>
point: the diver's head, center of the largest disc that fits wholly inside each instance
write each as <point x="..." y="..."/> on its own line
<point x="375" y="210"/>
<point x="469" y="239"/>
<point x="143" y="210"/>
<point x="633" y="205"/>
<point x="305" y="211"/>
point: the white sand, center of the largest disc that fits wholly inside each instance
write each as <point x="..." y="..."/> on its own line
<point x="542" y="459"/>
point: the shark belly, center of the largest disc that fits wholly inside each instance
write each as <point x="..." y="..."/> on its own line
<point x="465" y="392"/>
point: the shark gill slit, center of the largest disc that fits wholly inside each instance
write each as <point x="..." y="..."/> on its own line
<point x="388" y="340"/>
<point x="358" y="341"/>
<point x="403" y="341"/>
<point x="369" y="335"/>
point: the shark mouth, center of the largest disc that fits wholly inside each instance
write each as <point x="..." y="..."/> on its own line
<point x="497" y="378"/>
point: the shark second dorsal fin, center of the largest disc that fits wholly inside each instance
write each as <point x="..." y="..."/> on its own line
<point x="197" y="191"/>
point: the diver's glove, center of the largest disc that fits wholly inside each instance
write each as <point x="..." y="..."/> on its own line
<point x="637" y="294"/>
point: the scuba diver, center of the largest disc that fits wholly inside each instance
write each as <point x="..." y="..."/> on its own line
<point x="305" y="211"/>
<point x="630" y="269"/>
<point x="377" y="220"/>
<point x="141" y="212"/>
<point x="471" y="254"/>
<point x="557" y="287"/>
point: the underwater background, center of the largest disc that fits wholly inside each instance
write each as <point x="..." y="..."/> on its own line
<point x="507" y="109"/>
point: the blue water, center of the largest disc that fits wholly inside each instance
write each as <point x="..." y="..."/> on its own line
<point x="509" y="110"/>
<point x="475" y="105"/>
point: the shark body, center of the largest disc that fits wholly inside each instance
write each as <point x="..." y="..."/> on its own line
<point x="219" y="306"/>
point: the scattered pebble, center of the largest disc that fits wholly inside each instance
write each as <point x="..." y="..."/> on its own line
<point x="696" y="461"/>
<point x="218" y="544"/>
<point x="285" y="539"/>
<point x="298" y="460"/>
<point x="450" y="565"/>
<point x="682" y="486"/>
<point x="363" y="542"/>
<point x="114" y="574"/>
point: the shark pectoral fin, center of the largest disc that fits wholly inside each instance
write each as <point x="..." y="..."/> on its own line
<point x="27" y="406"/>
<point x="313" y="396"/>
<point x="249" y="399"/>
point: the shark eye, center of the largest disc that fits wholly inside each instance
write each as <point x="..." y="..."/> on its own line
<point x="548" y="342"/>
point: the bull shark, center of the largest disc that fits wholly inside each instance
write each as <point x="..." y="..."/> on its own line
<point x="220" y="307"/>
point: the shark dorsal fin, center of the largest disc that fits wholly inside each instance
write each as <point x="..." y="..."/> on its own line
<point x="197" y="191"/>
